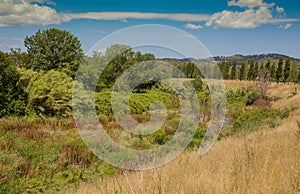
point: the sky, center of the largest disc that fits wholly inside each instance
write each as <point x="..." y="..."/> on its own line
<point x="223" y="27"/>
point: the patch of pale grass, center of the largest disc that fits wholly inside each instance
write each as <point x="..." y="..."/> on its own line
<point x="262" y="162"/>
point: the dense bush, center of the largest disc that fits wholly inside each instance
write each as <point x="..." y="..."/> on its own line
<point x="258" y="118"/>
<point x="50" y="94"/>
<point x="139" y="102"/>
<point x="40" y="155"/>
<point x="12" y="99"/>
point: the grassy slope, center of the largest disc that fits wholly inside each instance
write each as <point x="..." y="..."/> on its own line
<point x="262" y="162"/>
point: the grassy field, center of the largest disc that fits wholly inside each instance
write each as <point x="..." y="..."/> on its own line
<point x="258" y="154"/>
<point x="265" y="161"/>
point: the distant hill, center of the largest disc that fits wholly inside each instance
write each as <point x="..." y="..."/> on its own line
<point x="242" y="58"/>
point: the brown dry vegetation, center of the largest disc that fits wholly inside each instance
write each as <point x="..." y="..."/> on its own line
<point x="266" y="161"/>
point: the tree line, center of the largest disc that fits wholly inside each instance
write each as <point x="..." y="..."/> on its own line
<point x="279" y="71"/>
<point x="39" y="81"/>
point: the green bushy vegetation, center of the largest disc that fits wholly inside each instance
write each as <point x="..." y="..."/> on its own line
<point x="38" y="155"/>
<point x="260" y="118"/>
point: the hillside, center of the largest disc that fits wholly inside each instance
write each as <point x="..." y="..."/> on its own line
<point x="242" y="58"/>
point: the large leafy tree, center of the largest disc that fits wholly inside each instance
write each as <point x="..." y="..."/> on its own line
<point x="11" y="96"/>
<point x="54" y="49"/>
<point x="21" y="59"/>
<point x="51" y="94"/>
<point x="119" y="58"/>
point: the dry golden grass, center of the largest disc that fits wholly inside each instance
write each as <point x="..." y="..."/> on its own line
<point x="238" y="84"/>
<point x="263" y="162"/>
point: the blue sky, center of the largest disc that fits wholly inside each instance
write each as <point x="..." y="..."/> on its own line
<point x="224" y="27"/>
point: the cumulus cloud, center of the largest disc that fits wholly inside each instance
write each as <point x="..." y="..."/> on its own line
<point x="21" y="12"/>
<point x="249" y="18"/>
<point x="279" y="10"/>
<point x="255" y="14"/>
<point x="43" y="12"/>
<point x="249" y="3"/>
<point x="36" y="12"/>
<point x="193" y="26"/>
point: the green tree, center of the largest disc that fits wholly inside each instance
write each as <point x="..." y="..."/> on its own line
<point x="242" y="70"/>
<point x="54" y="49"/>
<point x="251" y="71"/>
<point x="255" y="71"/>
<point x="279" y="70"/>
<point x="224" y="68"/>
<point x="273" y="72"/>
<point x="233" y="71"/>
<point x="197" y="84"/>
<point x="51" y="94"/>
<point x="118" y="58"/>
<point x="294" y="72"/>
<point x="189" y="70"/>
<point x="268" y="65"/>
<point x="245" y="74"/>
<point x="12" y="100"/>
<point x="261" y="68"/>
<point x="287" y="70"/>
<point x="21" y="59"/>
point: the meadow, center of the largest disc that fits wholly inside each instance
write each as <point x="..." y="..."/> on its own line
<point x="258" y="154"/>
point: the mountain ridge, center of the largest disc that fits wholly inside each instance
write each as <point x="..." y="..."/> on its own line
<point x="241" y="58"/>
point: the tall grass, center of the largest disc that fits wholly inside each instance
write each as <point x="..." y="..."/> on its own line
<point x="261" y="162"/>
<point x="264" y="161"/>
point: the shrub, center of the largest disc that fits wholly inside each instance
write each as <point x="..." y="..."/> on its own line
<point x="161" y="137"/>
<point x="258" y="118"/>
<point x="51" y="94"/>
<point x="198" y="137"/>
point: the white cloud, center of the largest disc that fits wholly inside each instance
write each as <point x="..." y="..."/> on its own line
<point x="249" y="3"/>
<point x="249" y="18"/>
<point x="42" y="12"/>
<point x="286" y="26"/>
<point x="24" y="12"/>
<point x="123" y="16"/>
<point x="21" y="12"/>
<point x="193" y="26"/>
<point x="284" y="20"/>
<point x="279" y="9"/>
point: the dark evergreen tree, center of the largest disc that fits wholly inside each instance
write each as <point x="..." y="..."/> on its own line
<point x="242" y="70"/>
<point x="273" y="71"/>
<point x="287" y="70"/>
<point x="251" y="71"/>
<point x="256" y="71"/>
<point x="261" y="68"/>
<point x="279" y="70"/>
<point x="294" y="72"/>
<point x="233" y="71"/>
<point x="268" y="65"/>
